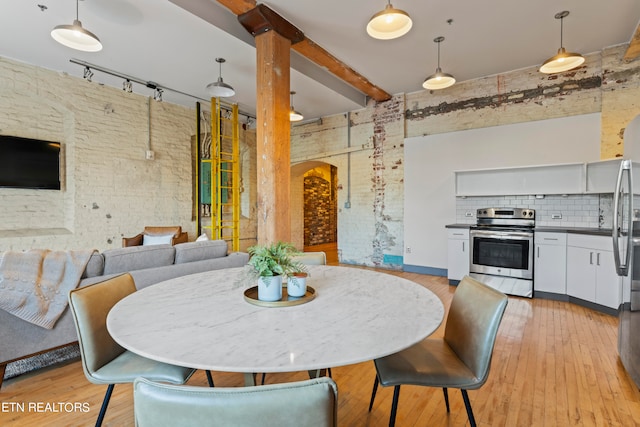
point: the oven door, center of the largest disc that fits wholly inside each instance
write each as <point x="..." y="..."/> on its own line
<point x="502" y="253"/>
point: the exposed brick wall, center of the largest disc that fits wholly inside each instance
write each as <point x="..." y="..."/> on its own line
<point x="320" y="215"/>
<point x="109" y="189"/>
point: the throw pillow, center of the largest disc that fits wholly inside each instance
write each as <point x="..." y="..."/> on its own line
<point x="156" y="239"/>
<point x="203" y="237"/>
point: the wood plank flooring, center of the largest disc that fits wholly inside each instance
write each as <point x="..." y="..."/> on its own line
<point x="554" y="364"/>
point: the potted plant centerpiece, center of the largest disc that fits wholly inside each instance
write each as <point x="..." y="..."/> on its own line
<point x="270" y="263"/>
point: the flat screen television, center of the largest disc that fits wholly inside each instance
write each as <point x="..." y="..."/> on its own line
<point x="29" y="163"/>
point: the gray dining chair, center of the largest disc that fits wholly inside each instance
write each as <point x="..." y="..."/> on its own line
<point x="461" y="359"/>
<point x="310" y="403"/>
<point x="103" y="360"/>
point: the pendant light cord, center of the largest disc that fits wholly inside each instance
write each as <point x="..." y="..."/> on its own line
<point x="77" y="15"/>
<point x="561" y="31"/>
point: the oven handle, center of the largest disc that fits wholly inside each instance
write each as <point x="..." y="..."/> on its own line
<point x="502" y="234"/>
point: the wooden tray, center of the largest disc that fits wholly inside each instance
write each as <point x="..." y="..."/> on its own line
<point x="251" y="296"/>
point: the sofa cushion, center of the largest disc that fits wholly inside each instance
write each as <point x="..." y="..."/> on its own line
<point x="95" y="266"/>
<point x="199" y="251"/>
<point x="122" y="260"/>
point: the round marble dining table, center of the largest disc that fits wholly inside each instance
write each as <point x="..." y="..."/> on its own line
<point x="203" y="321"/>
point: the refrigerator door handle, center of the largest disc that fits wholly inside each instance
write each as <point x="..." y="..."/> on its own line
<point x="622" y="268"/>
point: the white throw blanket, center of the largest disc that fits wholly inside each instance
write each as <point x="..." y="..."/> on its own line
<point x="34" y="285"/>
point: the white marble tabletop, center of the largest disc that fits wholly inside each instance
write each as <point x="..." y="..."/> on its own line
<point x="202" y="321"/>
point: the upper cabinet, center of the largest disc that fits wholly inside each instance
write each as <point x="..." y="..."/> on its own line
<point x="546" y="179"/>
<point x="572" y="178"/>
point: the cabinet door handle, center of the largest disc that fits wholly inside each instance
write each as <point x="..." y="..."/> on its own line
<point x="538" y="252"/>
<point x="463" y="246"/>
<point x="549" y="238"/>
<point x="598" y="258"/>
<point x="591" y="258"/>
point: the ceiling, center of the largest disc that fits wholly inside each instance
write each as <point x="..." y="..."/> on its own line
<point x="162" y="42"/>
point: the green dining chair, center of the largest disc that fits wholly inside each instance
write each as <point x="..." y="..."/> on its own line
<point x="309" y="403"/>
<point x="103" y="360"/>
<point x="461" y="359"/>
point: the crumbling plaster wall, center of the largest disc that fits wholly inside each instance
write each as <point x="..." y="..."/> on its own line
<point x="370" y="231"/>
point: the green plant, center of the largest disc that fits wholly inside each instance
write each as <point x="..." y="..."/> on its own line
<point x="274" y="259"/>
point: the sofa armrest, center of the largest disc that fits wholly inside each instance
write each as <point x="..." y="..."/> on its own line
<point x="132" y="241"/>
<point x="181" y="238"/>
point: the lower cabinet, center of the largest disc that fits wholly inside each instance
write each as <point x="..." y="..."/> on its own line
<point x="591" y="272"/>
<point x="550" y="263"/>
<point x="457" y="253"/>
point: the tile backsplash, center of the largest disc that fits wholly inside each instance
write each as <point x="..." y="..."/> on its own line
<point x="573" y="210"/>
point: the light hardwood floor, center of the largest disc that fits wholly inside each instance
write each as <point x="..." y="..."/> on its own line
<point x="555" y="364"/>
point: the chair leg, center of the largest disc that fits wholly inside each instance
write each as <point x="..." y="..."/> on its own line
<point x="105" y="403"/>
<point x="329" y="372"/>
<point x="373" y="393"/>
<point x="209" y="378"/>
<point x="394" y="406"/>
<point x="467" y="404"/>
<point x="446" y="398"/>
<point x="263" y="377"/>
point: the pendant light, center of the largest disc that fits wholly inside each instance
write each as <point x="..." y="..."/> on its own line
<point x="564" y="60"/>
<point x="294" y="116"/>
<point x="220" y="89"/>
<point x="389" y="23"/>
<point x="76" y="37"/>
<point x="438" y="80"/>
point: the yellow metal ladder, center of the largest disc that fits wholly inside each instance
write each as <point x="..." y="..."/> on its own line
<point x="221" y="174"/>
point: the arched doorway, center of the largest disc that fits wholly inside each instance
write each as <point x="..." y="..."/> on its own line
<point x="314" y="207"/>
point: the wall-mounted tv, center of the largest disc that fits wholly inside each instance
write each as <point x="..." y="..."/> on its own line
<point x="29" y="163"/>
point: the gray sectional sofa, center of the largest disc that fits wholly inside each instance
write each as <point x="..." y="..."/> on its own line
<point x="147" y="264"/>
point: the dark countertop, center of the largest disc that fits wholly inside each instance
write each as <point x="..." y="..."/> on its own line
<point x="556" y="229"/>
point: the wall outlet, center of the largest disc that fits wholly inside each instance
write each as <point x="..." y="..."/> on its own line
<point x="556" y="216"/>
<point x="468" y="214"/>
<point x="408" y="250"/>
<point x="150" y="155"/>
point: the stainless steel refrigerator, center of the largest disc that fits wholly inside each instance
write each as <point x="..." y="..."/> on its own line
<point x="626" y="253"/>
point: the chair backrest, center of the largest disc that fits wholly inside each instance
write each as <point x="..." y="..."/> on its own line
<point x="300" y="404"/>
<point x="472" y="324"/>
<point x="311" y="258"/>
<point x="176" y="230"/>
<point x="90" y="306"/>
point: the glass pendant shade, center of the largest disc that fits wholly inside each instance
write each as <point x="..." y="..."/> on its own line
<point x="563" y="60"/>
<point x="438" y="80"/>
<point x="389" y="23"/>
<point x="219" y="89"/>
<point x="76" y="37"/>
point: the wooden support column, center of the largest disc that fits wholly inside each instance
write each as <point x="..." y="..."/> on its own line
<point x="273" y="36"/>
<point x="273" y="137"/>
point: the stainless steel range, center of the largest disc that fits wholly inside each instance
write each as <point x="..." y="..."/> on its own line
<point x="502" y="249"/>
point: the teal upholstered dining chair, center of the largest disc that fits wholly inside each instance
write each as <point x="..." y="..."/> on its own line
<point x="103" y="360"/>
<point x="310" y="403"/>
<point x="461" y="359"/>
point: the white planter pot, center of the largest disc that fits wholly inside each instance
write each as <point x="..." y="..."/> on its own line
<point x="270" y="288"/>
<point x="297" y="285"/>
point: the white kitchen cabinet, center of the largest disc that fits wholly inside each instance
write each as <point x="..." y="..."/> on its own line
<point x="545" y="179"/>
<point x="591" y="273"/>
<point x="550" y="272"/>
<point x="602" y="176"/>
<point x="457" y="253"/>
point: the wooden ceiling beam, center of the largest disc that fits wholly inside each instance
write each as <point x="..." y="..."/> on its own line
<point x="311" y="50"/>
<point x="633" y="51"/>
